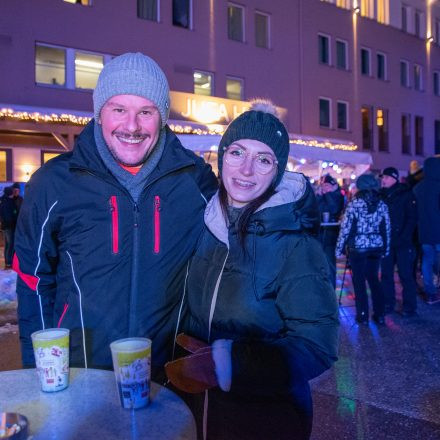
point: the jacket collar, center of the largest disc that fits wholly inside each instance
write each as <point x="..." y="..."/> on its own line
<point x="285" y="210"/>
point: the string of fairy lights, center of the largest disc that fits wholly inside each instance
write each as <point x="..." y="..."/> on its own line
<point x="65" y="118"/>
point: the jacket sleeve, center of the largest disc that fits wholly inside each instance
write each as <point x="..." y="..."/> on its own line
<point x="205" y="179"/>
<point x="386" y="228"/>
<point x="346" y="225"/>
<point x="308" y="346"/>
<point x="35" y="262"/>
<point x="410" y="216"/>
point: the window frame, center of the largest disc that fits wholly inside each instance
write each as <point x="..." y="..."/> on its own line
<point x="408" y="82"/>
<point x="9" y="159"/>
<point x="383" y="133"/>
<point x="157" y="20"/>
<point x="204" y="72"/>
<point x="268" y="30"/>
<point x="404" y="21"/>
<point x="419" y="140"/>
<point x="69" y="66"/>
<point x="329" y="39"/>
<point x="345" y="43"/>
<point x="190" y="16"/>
<point x="406" y="138"/>
<point x="243" y="22"/>
<point x="385" y="66"/>
<point x="235" y="78"/>
<point x="367" y="50"/>
<point x="370" y="110"/>
<point x="347" y="115"/>
<point x="418" y="85"/>
<point x="436" y="83"/>
<point x="329" y="100"/>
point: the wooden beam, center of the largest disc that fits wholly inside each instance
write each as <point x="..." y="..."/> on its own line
<point x="61" y="141"/>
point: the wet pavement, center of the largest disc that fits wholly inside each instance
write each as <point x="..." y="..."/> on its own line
<point x="385" y="385"/>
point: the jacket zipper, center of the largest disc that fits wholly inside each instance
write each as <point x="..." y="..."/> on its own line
<point x="115" y="224"/>
<point x="66" y="306"/>
<point x="156" y="224"/>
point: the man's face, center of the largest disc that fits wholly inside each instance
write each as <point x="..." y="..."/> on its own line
<point x="328" y="187"/>
<point x="130" y="126"/>
<point x="387" y="181"/>
<point x="15" y="192"/>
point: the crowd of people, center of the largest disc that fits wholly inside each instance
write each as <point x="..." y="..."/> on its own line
<point x="386" y="223"/>
<point x="130" y="234"/>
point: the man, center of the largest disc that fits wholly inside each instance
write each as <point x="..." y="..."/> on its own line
<point x="331" y="201"/>
<point x="18" y="200"/>
<point x="105" y="231"/>
<point x="8" y="217"/>
<point x="427" y="194"/>
<point x="403" y="217"/>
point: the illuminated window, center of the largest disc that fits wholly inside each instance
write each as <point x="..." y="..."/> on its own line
<point x="406" y="133"/>
<point x="341" y="55"/>
<point x="324" y="49"/>
<point x="382" y="129"/>
<point x="366" y="62"/>
<point x="324" y="112"/>
<point x="367" y="127"/>
<point x="343" y="3"/>
<point x="47" y="155"/>
<point x="436" y="83"/>
<point x="87" y="69"/>
<point x="148" y="9"/>
<point x="381" y="61"/>
<point x="182" y="13"/>
<point x="50" y="65"/>
<point x="5" y="165"/>
<point x="404" y="73"/>
<point x="418" y="79"/>
<point x="262" y="30"/>
<point x="234" y="88"/>
<point x="80" y="2"/>
<point x="367" y="8"/>
<point x="235" y="22"/>
<point x="342" y="110"/>
<point x="67" y="67"/>
<point x="202" y="83"/>
<point x="418" y="134"/>
<point x="383" y="11"/>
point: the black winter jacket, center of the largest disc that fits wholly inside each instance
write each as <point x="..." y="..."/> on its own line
<point x="91" y="260"/>
<point x="427" y="194"/>
<point x="8" y="213"/>
<point x="274" y="299"/>
<point x="403" y="214"/>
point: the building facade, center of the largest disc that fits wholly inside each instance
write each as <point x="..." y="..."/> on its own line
<point x="348" y="75"/>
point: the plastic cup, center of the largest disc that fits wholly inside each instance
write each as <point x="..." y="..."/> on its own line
<point x="325" y="217"/>
<point x="51" y="350"/>
<point x="132" y="367"/>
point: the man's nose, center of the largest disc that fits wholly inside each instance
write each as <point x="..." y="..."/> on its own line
<point x="131" y="122"/>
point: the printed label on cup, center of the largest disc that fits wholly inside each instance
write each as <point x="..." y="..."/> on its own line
<point x="51" y="350"/>
<point x="133" y="374"/>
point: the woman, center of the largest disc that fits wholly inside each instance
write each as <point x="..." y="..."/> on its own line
<point x="365" y="232"/>
<point x="259" y="291"/>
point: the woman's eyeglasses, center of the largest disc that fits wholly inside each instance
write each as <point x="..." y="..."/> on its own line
<point x="235" y="156"/>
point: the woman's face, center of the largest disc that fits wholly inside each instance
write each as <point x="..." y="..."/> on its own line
<point x="249" y="167"/>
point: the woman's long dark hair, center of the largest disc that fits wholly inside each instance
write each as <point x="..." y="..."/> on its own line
<point x="248" y="210"/>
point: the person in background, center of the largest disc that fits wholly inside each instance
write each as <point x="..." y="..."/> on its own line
<point x="403" y="217"/>
<point x="106" y="231"/>
<point x="365" y="236"/>
<point x="259" y="299"/>
<point x="331" y="205"/>
<point x="8" y="218"/>
<point x="18" y="200"/>
<point x="427" y="194"/>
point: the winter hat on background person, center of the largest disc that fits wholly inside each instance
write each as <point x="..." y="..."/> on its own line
<point x="7" y="191"/>
<point x="392" y="172"/>
<point x="260" y="123"/>
<point x="329" y="179"/>
<point x="133" y="74"/>
<point x="367" y="181"/>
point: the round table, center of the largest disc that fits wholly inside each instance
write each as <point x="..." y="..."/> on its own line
<point x="90" y="409"/>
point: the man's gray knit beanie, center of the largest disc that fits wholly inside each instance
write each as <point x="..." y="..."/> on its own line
<point x="133" y="74"/>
